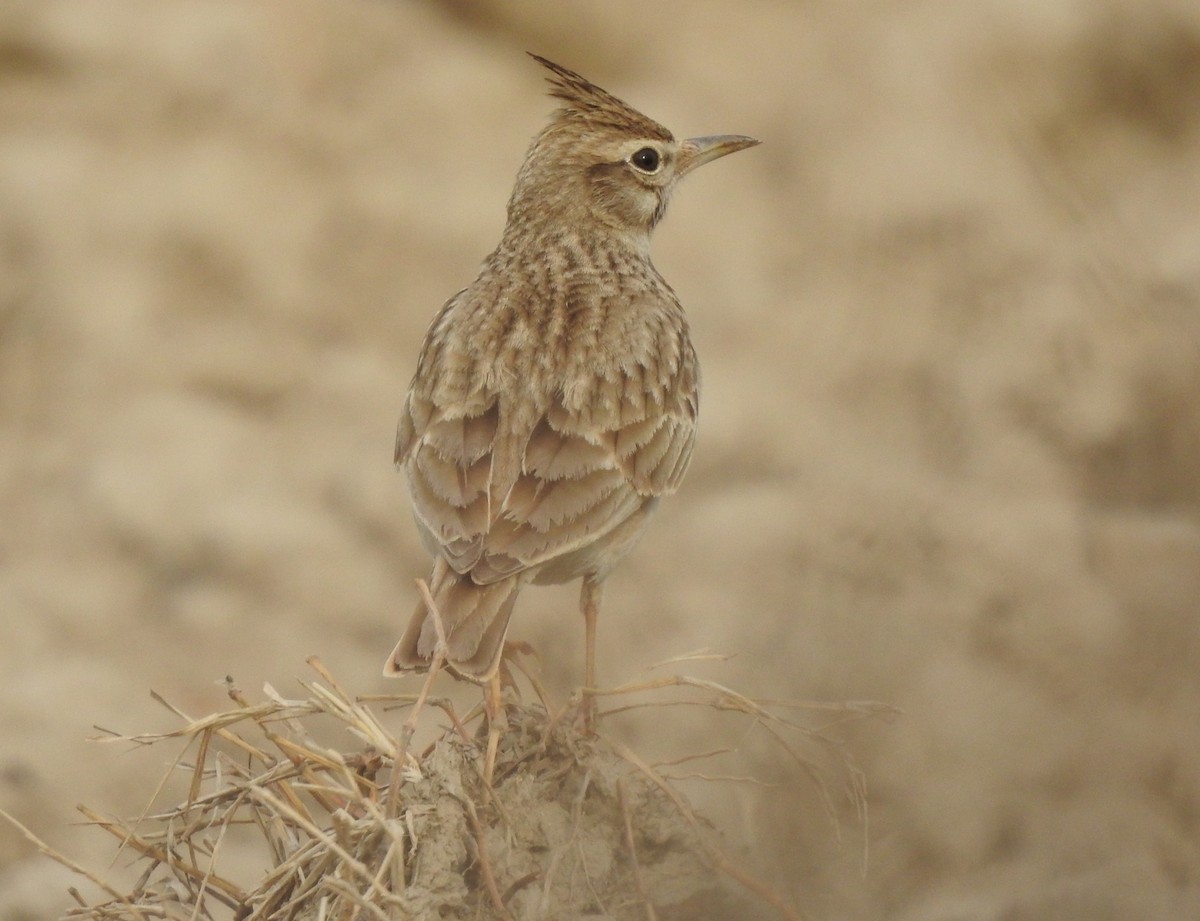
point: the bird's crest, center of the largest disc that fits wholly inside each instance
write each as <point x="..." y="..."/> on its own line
<point x="586" y="102"/>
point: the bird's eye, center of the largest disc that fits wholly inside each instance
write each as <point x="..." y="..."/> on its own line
<point x="646" y="159"/>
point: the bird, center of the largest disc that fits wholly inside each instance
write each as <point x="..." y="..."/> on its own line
<point x="555" y="398"/>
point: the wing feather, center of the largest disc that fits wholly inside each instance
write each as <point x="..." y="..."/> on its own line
<point x="498" y="496"/>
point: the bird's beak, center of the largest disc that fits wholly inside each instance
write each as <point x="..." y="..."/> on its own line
<point x="694" y="152"/>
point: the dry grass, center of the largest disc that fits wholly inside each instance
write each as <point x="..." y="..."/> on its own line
<point x="569" y="825"/>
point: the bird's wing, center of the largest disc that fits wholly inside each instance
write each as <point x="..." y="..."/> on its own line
<point x="498" y="501"/>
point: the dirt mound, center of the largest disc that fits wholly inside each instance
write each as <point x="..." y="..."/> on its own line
<point x="570" y="825"/>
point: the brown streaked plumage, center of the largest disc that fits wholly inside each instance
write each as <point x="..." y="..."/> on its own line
<point x="555" y="398"/>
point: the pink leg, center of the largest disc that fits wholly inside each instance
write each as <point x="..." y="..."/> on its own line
<point x="589" y="601"/>
<point x="493" y="704"/>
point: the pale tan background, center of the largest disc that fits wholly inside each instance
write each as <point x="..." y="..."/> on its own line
<point x="949" y="315"/>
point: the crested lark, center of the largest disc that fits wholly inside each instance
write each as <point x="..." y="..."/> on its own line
<point x="555" y="398"/>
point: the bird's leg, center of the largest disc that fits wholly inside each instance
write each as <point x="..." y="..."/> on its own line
<point x="589" y="603"/>
<point x="497" y="718"/>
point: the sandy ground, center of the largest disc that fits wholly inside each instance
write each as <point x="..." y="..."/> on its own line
<point x="949" y="316"/>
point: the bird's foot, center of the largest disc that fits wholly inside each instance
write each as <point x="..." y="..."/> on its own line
<point x="497" y="722"/>
<point x="585" y="718"/>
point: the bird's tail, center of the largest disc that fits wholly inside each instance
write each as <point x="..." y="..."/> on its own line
<point x="474" y="620"/>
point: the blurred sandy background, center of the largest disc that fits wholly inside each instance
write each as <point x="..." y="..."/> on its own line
<point x="949" y="315"/>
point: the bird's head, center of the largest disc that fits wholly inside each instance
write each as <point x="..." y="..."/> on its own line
<point x="600" y="160"/>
